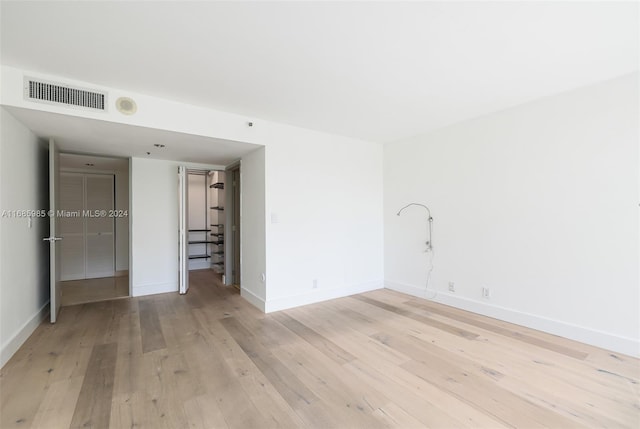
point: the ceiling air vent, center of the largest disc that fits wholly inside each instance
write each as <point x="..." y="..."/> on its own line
<point x="37" y="90"/>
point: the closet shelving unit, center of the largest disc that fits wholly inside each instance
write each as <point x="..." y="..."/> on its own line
<point x="201" y="241"/>
<point x="216" y="235"/>
<point x="199" y="256"/>
<point x="198" y="235"/>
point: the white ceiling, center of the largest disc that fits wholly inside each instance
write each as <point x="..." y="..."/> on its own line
<point x="379" y="71"/>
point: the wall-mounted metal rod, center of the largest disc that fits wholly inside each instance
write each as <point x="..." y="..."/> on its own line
<point x="429" y="223"/>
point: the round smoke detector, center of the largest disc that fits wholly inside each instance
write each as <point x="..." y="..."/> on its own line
<point x="126" y="105"/>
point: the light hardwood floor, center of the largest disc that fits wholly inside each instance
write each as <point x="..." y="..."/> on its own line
<point x="93" y="290"/>
<point x="379" y="359"/>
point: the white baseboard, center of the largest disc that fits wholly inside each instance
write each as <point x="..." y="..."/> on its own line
<point x="605" y="340"/>
<point x="318" y="295"/>
<point x="154" y="288"/>
<point x="254" y="299"/>
<point x="18" y="339"/>
<point x="420" y="292"/>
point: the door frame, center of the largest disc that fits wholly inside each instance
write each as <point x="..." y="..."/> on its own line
<point x="183" y="228"/>
<point x="55" y="299"/>
<point x="233" y="255"/>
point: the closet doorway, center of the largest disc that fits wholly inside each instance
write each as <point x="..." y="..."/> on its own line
<point x="202" y="226"/>
<point x="94" y="226"/>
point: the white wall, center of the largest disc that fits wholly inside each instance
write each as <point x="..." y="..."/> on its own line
<point x="154" y="225"/>
<point x="24" y="257"/>
<point x="324" y="219"/>
<point x="538" y="203"/>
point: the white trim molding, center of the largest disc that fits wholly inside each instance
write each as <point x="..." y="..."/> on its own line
<point x="13" y="344"/>
<point x="318" y="295"/>
<point x="253" y="299"/>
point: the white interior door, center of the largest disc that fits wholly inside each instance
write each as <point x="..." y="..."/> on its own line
<point x="99" y="248"/>
<point x="183" y="231"/>
<point x="87" y="229"/>
<point x="54" y="241"/>
<point x="71" y="228"/>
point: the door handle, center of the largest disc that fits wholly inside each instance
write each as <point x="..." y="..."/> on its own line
<point x="50" y="239"/>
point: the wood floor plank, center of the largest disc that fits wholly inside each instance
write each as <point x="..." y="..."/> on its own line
<point x="56" y="353"/>
<point x="320" y="342"/>
<point x="93" y="408"/>
<point x="356" y="341"/>
<point x="305" y="403"/>
<point x="257" y="388"/>
<point x="336" y="386"/>
<point x="244" y="395"/>
<point x="560" y="370"/>
<point x="351" y="407"/>
<point x="129" y="361"/>
<point x="122" y="411"/>
<point x="434" y="416"/>
<point x="152" y="336"/>
<point x="552" y="384"/>
<point x="420" y="318"/>
<point x="423" y="400"/>
<point x="58" y="405"/>
<point x="291" y="389"/>
<point x="488" y="397"/>
<point x="400" y="329"/>
<point x="394" y="416"/>
<point x="579" y="379"/>
<point x="514" y="334"/>
<point x="203" y="413"/>
<point x="161" y="398"/>
<point x="109" y="326"/>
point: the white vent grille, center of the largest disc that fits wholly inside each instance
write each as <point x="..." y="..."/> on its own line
<point x="62" y="94"/>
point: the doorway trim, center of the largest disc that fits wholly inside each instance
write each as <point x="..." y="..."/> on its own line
<point x="232" y="228"/>
<point x="121" y="220"/>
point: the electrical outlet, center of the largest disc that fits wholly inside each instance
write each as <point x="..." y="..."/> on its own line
<point x="315" y="283"/>
<point x="486" y="292"/>
<point x="452" y="287"/>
